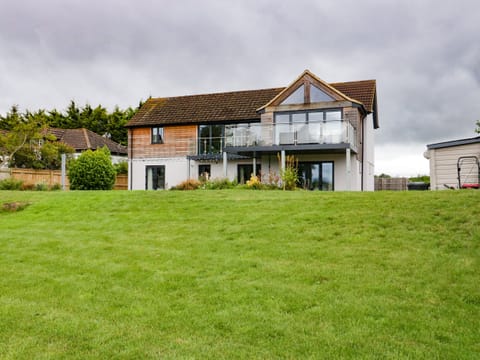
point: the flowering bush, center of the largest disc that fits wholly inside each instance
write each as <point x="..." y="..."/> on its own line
<point x="254" y="183"/>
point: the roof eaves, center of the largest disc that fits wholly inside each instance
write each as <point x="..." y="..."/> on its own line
<point x="451" y="143"/>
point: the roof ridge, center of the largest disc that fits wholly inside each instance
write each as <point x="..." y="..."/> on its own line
<point x="87" y="139"/>
<point x="353" y="81"/>
<point x="217" y="93"/>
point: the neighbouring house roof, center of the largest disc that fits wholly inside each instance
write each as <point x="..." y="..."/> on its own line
<point x="451" y="143"/>
<point x="236" y="105"/>
<point x="84" y="139"/>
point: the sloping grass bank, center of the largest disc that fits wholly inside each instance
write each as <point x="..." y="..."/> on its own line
<point x="240" y="274"/>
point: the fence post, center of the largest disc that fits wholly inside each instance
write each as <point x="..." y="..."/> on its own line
<point x="64" y="167"/>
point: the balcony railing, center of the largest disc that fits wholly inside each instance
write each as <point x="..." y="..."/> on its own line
<point x="329" y="132"/>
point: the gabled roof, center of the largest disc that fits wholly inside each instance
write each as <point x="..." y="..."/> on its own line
<point x="364" y="91"/>
<point x="304" y="77"/>
<point x="239" y="105"/>
<point x="451" y="143"/>
<point x="84" y="139"/>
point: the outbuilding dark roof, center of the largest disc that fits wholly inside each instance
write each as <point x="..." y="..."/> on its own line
<point x="232" y="106"/>
<point x="451" y="143"/>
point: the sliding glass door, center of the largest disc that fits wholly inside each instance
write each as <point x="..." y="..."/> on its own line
<point x="155" y="178"/>
<point x="316" y="175"/>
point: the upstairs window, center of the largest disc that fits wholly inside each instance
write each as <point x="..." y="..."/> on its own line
<point x="157" y="135"/>
<point x="301" y="96"/>
<point x="210" y="139"/>
<point x="317" y="95"/>
<point x="297" y="97"/>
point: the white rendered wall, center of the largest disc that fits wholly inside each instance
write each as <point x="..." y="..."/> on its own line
<point x="369" y="154"/>
<point x="176" y="171"/>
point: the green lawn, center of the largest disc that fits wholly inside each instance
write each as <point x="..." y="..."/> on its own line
<point x="240" y="274"/>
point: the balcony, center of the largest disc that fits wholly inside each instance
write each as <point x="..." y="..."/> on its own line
<point x="312" y="135"/>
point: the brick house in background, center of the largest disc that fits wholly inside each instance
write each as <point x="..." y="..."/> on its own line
<point x="329" y="128"/>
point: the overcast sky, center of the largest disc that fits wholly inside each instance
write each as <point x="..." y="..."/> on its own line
<point x="424" y="54"/>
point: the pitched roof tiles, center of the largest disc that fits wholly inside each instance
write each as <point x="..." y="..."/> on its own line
<point x="84" y="139"/>
<point x="232" y="106"/>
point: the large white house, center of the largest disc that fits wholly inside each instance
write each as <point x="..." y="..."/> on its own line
<point x="328" y="128"/>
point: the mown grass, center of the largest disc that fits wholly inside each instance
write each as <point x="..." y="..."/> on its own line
<point x="240" y="274"/>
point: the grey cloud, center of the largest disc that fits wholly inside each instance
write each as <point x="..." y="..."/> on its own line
<point x="422" y="53"/>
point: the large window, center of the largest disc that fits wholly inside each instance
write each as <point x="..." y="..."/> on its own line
<point x="157" y="135"/>
<point x="155" y="177"/>
<point x="308" y="127"/>
<point x="316" y="175"/>
<point x="210" y="139"/>
<point x="299" y="96"/>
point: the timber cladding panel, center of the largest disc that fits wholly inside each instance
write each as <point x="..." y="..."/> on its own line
<point x="178" y="141"/>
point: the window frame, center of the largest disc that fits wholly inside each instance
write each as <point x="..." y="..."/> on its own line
<point x="321" y="184"/>
<point x="157" y="135"/>
<point x="211" y="144"/>
<point x="158" y="177"/>
<point x="202" y="169"/>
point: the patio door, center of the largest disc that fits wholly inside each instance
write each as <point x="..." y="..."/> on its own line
<point x="155" y="177"/>
<point x="316" y="175"/>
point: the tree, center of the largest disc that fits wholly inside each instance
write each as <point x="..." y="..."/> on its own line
<point x="22" y="136"/>
<point x="93" y="170"/>
<point x="12" y="119"/>
<point x="477" y="130"/>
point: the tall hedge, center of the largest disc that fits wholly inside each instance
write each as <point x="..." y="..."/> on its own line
<point x="93" y="170"/>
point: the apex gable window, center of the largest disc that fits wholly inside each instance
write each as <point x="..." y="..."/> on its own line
<point x="305" y="94"/>
<point x="297" y="97"/>
<point x="317" y="95"/>
<point x="157" y="135"/>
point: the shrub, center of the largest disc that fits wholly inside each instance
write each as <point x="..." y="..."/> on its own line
<point x="289" y="175"/>
<point x="254" y="183"/>
<point x="11" y="184"/>
<point x="190" y="184"/>
<point x="219" y="184"/>
<point x="121" y="167"/>
<point x="41" y="187"/>
<point x="56" y="187"/>
<point x="93" y="170"/>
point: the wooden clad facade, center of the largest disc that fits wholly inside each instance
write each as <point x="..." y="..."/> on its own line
<point x="178" y="141"/>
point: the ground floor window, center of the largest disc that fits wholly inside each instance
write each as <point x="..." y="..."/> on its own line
<point x="316" y="175"/>
<point x="245" y="171"/>
<point x="155" y="177"/>
<point x="204" y="172"/>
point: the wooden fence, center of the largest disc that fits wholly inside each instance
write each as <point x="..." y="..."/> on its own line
<point x="54" y="177"/>
<point x="398" y="184"/>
